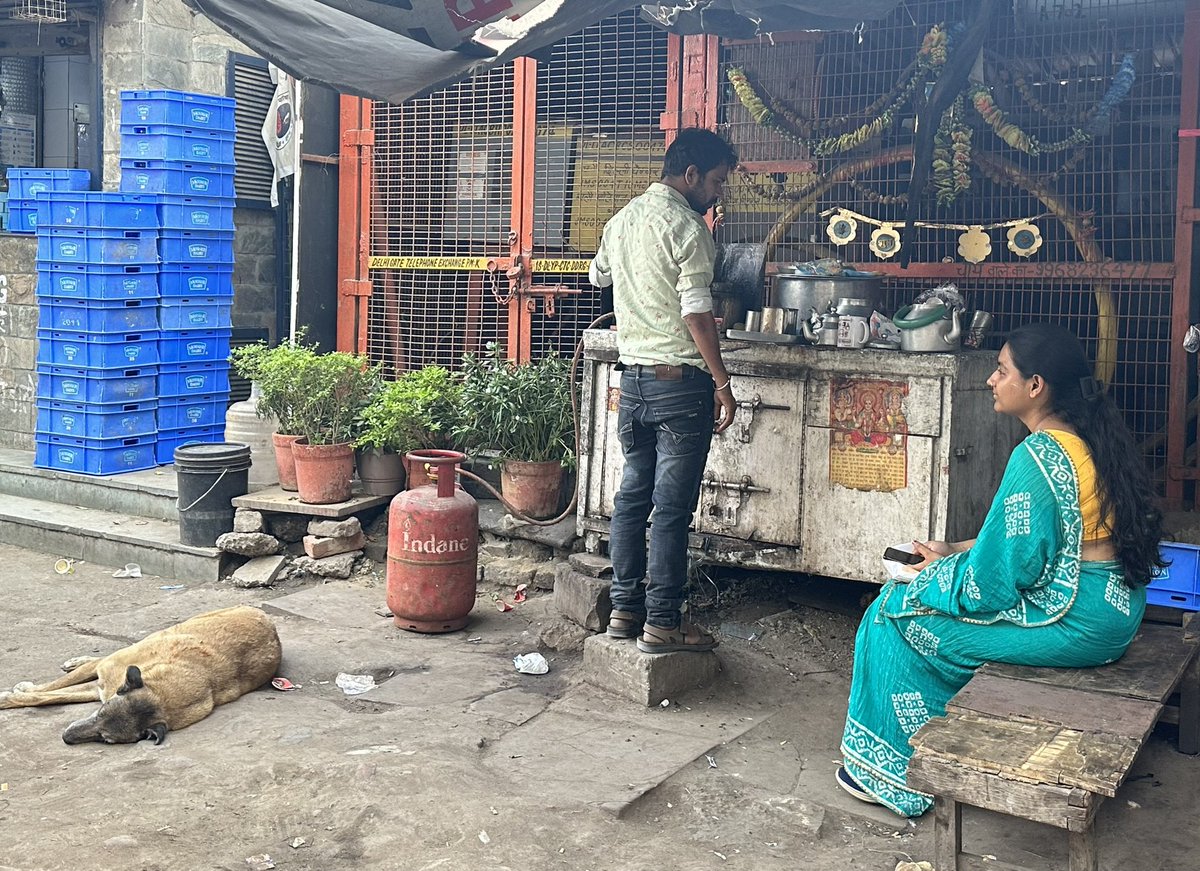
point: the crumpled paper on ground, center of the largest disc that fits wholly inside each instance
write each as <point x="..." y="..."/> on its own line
<point x="355" y="684"/>
<point x="913" y="866"/>
<point x="531" y="663"/>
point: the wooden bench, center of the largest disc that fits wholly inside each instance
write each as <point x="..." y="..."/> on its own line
<point x="1050" y="744"/>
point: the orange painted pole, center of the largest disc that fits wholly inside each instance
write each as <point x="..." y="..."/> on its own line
<point x="354" y="223"/>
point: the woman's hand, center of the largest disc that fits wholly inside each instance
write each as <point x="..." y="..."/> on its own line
<point x="931" y="551"/>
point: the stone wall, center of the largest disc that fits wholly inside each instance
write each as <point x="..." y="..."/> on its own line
<point x="18" y="341"/>
<point x="144" y="44"/>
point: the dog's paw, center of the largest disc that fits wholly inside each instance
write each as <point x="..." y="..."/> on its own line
<point x="24" y="686"/>
<point x="75" y="662"/>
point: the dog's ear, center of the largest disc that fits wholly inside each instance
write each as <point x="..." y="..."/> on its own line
<point x="133" y="680"/>
<point x="156" y="733"/>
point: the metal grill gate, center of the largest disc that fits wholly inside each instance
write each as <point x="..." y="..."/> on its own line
<point x="487" y="197"/>
<point x="1109" y="276"/>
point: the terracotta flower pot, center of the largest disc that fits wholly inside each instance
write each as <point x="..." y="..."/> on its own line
<point x="285" y="460"/>
<point x="532" y="488"/>
<point x="323" y="472"/>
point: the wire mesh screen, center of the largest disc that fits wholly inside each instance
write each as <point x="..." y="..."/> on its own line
<point x="599" y="98"/>
<point x="441" y="207"/>
<point x="1069" y="121"/>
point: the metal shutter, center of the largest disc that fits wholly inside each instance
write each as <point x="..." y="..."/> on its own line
<point x="251" y="86"/>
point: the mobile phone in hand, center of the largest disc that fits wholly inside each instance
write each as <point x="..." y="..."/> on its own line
<point x="902" y="556"/>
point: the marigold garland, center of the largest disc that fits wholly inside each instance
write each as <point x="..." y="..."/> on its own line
<point x="951" y="156"/>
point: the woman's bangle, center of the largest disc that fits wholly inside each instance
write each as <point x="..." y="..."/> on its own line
<point x="721" y="387"/>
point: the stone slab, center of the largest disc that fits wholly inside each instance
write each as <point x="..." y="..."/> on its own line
<point x="318" y="546"/>
<point x="276" y="499"/>
<point x="494" y="518"/>
<point x="592" y="565"/>
<point x="247" y="520"/>
<point x="259" y="572"/>
<point x="348" y="528"/>
<point x="617" y="666"/>
<point x="337" y="603"/>
<point x="582" y="599"/>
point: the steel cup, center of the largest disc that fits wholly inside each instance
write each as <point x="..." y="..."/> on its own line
<point x="977" y="330"/>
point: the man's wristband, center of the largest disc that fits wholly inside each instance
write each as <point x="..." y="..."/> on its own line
<point x="721" y="387"/>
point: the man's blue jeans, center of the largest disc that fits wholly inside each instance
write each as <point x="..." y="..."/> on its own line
<point x="665" y="430"/>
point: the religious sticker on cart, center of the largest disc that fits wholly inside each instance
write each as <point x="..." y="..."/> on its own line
<point x="868" y="438"/>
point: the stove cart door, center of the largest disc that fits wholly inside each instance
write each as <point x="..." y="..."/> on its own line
<point x="873" y="460"/>
<point x="751" y="488"/>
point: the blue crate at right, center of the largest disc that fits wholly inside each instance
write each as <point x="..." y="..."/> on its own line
<point x="98" y="316"/>
<point x="194" y="111"/>
<point x="182" y="179"/>
<point x="94" y="456"/>
<point x="196" y="280"/>
<point x="189" y="380"/>
<point x="76" y="384"/>
<point x="117" y="351"/>
<point x="98" y="282"/>
<point x="194" y="346"/>
<point x="195" y="213"/>
<point x="1178" y="585"/>
<point x="97" y="421"/>
<point x="196" y="247"/>
<point x="24" y="183"/>
<point x="177" y="143"/>
<point x="203" y="409"/>
<point x="102" y="247"/>
<point x="97" y="210"/>
<point x="169" y="440"/>
<point x="195" y="313"/>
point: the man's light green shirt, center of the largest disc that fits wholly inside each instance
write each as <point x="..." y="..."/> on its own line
<point x="658" y="255"/>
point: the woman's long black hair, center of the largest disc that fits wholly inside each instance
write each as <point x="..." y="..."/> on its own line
<point x="1126" y="494"/>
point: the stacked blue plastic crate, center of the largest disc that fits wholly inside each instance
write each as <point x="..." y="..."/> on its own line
<point x="25" y="184"/>
<point x="97" y="263"/>
<point x="179" y="148"/>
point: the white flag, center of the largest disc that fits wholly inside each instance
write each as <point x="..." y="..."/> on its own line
<point x="279" y="127"/>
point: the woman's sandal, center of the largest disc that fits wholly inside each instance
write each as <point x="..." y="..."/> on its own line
<point x="848" y="783"/>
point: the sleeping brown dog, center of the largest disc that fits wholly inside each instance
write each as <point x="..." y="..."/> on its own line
<point x="168" y="680"/>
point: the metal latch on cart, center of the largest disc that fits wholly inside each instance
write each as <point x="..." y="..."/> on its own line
<point x="729" y="497"/>
<point x="752" y="407"/>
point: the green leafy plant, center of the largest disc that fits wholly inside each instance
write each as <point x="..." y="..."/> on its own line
<point x="521" y="411"/>
<point x="417" y="410"/>
<point x="276" y="372"/>
<point x="335" y="388"/>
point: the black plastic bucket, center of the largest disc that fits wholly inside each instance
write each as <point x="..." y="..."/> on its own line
<point x="209" y="476"/>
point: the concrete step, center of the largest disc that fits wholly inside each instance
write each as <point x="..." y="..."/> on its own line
<point x="148" y="493"/>
<point x="107" y="538"/>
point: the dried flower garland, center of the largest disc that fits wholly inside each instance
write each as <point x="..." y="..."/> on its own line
<point x="985" y="105"/>
<point x="951" y="156"/>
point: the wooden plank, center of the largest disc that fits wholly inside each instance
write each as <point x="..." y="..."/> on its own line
<point x="1030" y="752"/>
<point x="1058" y="706"/>
<point x="972" y="862"/>
<point x="1189" y="709"/>
<point x="1081" y="848"/>
<point x="1041" y="803"/>
<point x="1150" y="668"/>
<point x="947" y="833"/>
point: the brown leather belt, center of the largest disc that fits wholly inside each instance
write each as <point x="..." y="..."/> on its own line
<point x="662" y="371"/>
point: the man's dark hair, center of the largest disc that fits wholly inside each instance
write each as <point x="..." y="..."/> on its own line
<point x="702" y="149"/>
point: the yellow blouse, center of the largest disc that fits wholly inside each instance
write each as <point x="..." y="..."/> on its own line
<point x="1089" y="493"/>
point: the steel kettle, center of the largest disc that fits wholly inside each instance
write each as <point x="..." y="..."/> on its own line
<point x="821" y="329"/>
<point x="928" y="327"/>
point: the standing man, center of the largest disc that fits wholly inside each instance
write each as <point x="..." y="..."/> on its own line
<point x="658" y="255"/>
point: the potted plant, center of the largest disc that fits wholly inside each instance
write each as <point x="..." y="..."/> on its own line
<point x="336" y="387"/>
<point x="280" y="394"/>
<point x="523" y="413"/>
<point x="417" y="410"/>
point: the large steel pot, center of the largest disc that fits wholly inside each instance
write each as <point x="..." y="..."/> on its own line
<point x="812" y="294"/>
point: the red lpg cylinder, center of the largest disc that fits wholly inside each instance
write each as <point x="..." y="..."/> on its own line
<point x="433" y="549"/>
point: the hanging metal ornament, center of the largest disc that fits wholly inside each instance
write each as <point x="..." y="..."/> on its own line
<point x="1024" y="239"/>
<point x="885" y="242"/>
<point x="974" y="245"/>
<point x="841" y="229"/>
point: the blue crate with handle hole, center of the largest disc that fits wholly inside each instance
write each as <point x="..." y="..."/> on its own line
<point x="184" y="179"/>
<point x="73" y="384"/>
<point x="195" y="111"/>
<point x="98" y="350"/>
<point x="206" y="409"/>
<point x="196" y="280"/>
<point x="1178" y="585"/>
<point x="97" y="210"/>
<point x="176" y="143"/>
<point x="85" y="245"/>
<point x="94" y="456"/>
<point x="186" y="380"/>
<point x="91" y="281"/>
<point x="94" y="421"/>
<point x="97" y="316"/>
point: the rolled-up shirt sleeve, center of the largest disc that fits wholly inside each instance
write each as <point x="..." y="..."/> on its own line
<point x="599" y="272"/>
<point x="695" y="256"/>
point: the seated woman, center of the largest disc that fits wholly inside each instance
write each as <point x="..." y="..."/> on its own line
<point x="1056" y="577"/>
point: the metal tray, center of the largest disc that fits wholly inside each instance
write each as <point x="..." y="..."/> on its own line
<point x="765" y="338"/>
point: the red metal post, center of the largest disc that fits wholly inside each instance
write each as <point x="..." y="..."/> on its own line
<point x="524" y="147"/>
<point x="1185" y="230"/>
<point x="354" y="222"/>
<point x="672" y="117"/>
